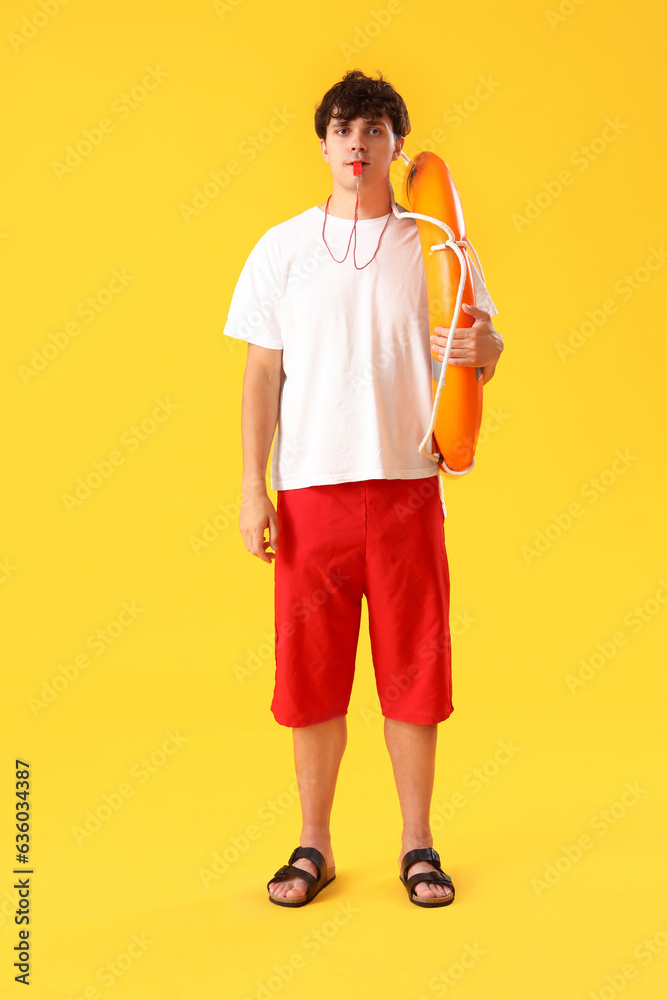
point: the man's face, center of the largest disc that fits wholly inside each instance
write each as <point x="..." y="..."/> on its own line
<point x="373" y="142"/>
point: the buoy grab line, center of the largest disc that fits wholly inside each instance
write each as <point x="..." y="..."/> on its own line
<point x="450" y="244"/>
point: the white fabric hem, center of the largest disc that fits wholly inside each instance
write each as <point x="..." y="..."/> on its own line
<point x="352" y="478"/>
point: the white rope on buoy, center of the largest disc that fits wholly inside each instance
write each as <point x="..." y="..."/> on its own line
<point x="450" y="244"/>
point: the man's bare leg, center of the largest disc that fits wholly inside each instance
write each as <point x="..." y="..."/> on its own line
<point x="318" y="751"/>
<point x="412" y="751"/>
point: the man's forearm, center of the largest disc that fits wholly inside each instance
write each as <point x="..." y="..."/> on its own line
<point x="259" y="417"/>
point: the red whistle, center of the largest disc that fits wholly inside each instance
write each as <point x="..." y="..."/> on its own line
<point x="356" y="168"/>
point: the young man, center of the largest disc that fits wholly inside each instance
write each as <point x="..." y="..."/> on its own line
<point x="339" y="359"/>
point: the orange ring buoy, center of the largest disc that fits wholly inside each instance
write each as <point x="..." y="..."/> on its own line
<point x="428" y="189"/>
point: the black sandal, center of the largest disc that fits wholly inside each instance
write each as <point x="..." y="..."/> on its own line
<point x="290" y="871"/>
<point x="425" y="854"/>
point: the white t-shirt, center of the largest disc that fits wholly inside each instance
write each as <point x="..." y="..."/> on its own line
<point x="357" y="390"/>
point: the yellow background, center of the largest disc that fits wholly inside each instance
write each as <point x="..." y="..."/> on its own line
<point x="534" y="90"/>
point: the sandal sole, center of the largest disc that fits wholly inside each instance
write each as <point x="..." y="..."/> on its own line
<point x="428" y="903"/>
<point x="298" y="900"/>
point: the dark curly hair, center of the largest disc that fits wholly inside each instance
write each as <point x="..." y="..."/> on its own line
<point x="358" y="95"/>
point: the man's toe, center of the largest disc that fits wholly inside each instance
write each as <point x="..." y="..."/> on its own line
<point x="430" y="889"/>
<point x="289" y="889"/>
<point x="295" y="891"/>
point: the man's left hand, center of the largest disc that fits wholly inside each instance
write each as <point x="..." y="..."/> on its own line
<point x="476" y="346"/>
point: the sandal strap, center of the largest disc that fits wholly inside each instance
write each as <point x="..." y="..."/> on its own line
<point x="291" y="871"/>
<point x="313" y="855"/>
<point x="419" y="854"/>
<point x="438" y="876"/>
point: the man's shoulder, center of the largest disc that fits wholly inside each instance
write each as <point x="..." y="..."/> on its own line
<point x="289" y="228"/>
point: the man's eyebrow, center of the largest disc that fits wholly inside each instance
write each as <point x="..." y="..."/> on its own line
<point x="346" y="121"/>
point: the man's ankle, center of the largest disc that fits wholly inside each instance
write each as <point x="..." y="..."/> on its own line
<point x="417" y="838"/>
<point x="311" y="836"/>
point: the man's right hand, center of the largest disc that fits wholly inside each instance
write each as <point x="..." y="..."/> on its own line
<point x="257" y="514"/>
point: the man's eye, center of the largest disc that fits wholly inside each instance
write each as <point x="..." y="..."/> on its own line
<point x="344" y="128"/>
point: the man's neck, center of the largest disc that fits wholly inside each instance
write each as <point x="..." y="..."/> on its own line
<point x="373" y="204"/>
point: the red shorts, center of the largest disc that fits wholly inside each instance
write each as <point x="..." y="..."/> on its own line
<point x="383" y="538"/>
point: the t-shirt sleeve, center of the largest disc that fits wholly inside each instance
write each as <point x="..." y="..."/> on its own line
<point x="482" y="297"/>
<point x="254" y="310"/>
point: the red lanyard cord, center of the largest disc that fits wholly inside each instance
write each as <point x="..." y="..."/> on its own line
<point x="354" y="230"/>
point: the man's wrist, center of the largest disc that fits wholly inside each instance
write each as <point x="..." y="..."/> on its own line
<point x="253" y="488"/>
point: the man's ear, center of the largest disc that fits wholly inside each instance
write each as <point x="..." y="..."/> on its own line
<point x="323" y="147"/>
<point x="398" y="147"/>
